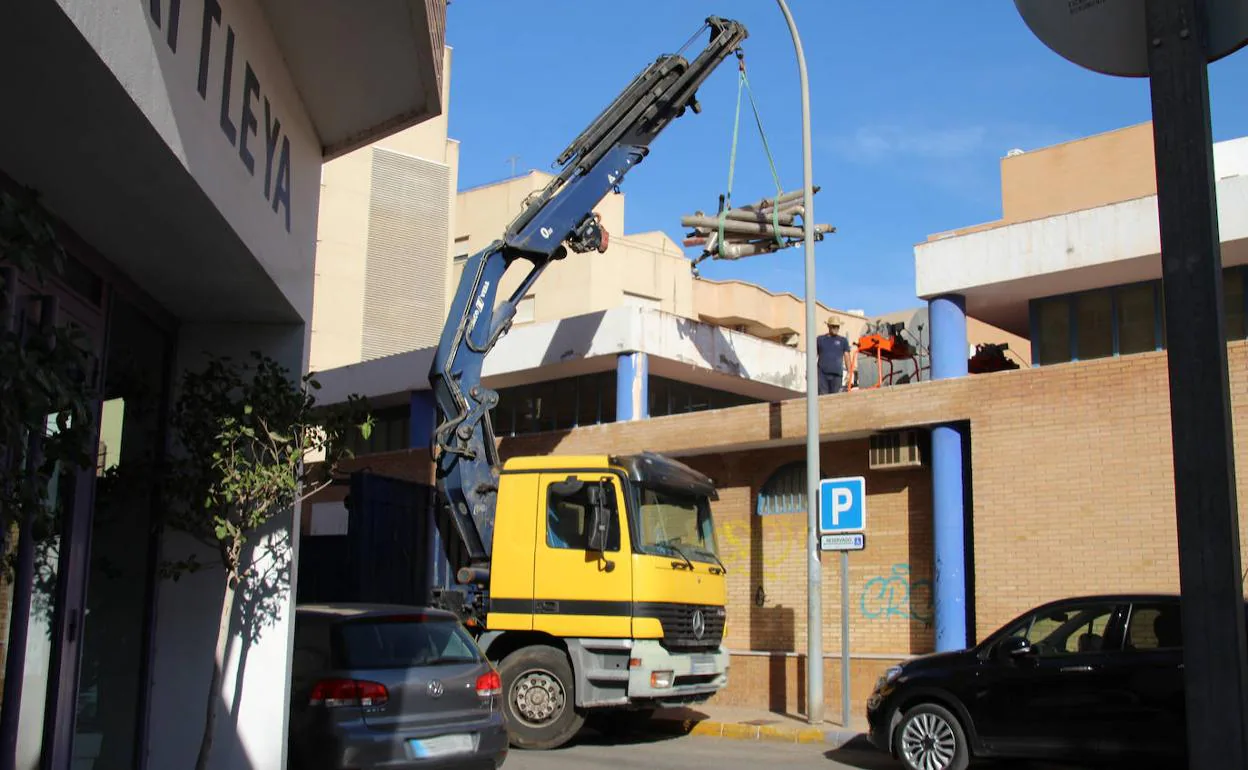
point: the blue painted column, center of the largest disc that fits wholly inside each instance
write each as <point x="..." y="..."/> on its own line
<point x="632" y="387"/>
<point x="421" y="419"/>
<point x="949" y="355"/>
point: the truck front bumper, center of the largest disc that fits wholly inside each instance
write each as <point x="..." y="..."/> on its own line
<point x="690" y="677"/>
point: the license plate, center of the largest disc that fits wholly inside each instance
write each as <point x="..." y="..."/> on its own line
<point x="703" y="664"/>
<point x="441" y="746"/>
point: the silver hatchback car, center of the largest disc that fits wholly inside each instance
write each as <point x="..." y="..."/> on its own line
<point x="384" y="686"/>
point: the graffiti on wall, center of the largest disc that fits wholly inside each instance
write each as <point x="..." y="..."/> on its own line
<point x="896" y="595"/>
<point x="785" y="541"/>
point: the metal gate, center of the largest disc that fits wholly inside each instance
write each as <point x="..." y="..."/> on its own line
<point x="392" y="552"/>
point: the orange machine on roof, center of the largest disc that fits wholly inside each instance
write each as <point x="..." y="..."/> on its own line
<point x="884" y="342"/>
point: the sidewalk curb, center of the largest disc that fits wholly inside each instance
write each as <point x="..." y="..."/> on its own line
<point x="834" y="736"/>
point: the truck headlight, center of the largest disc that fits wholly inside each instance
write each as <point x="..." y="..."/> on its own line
<point x="661" y="680"/>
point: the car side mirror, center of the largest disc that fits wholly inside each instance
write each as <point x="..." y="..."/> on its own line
<point x="1014" y="647"/>
<point x="599" y="519"/>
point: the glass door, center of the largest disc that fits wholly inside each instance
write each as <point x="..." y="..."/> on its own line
<point x="43" y="589"/>
<point x="111" y="707"/>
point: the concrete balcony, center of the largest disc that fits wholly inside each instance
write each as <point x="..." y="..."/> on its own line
<point x="998" y="269"/>
<point x="678" y="348"/>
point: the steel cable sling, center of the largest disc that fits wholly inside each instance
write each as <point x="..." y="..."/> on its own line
<point x="743" y="85"/>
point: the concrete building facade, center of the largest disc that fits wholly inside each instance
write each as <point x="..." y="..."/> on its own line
<point x="177" y="148"/>
<point x="1024" y="486"/>
<point x="387" y="215"/>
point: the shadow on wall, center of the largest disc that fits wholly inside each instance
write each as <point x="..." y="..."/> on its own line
<point x="772" y="629"/>
<point x="902" y="591"/>
<point x="258" y="607"/>
<point x="714" y="346"/>
<point x="187" y="627"/>
<point x="573" y="338"/>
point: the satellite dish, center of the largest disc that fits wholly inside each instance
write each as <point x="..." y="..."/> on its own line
<point x="1111" y="37"/>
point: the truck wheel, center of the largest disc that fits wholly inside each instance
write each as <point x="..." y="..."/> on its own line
<point x="539" y="698"/>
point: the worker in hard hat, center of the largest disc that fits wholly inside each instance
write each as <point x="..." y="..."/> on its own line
<point x="833" y="352"/>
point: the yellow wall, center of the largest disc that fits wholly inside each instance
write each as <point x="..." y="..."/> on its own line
<point x="1094" y="171"/>
<point x="338" y="327"/>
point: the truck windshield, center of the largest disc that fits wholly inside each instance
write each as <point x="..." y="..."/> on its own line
<point x="675" y="525"/>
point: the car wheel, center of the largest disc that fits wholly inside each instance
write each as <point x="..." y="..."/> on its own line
<point x="930" y="738"/>
<point x="539" y="698"/>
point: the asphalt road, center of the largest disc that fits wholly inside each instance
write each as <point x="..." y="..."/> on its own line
<point x="590" y="750"/>
<point x="695" y="753"/>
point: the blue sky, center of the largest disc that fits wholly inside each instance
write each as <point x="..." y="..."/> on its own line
<point x="913" y="105"/>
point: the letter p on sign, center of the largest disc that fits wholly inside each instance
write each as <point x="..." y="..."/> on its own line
<point x="842" y="505"/>
<point x="841" y="502"/>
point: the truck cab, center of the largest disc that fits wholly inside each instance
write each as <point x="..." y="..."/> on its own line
<point x="605" y="590"/>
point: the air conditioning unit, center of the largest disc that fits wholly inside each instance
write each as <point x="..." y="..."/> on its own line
<point x="896" y="450"/>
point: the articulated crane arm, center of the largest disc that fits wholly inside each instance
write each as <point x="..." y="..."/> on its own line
<point x="593" y="165"/>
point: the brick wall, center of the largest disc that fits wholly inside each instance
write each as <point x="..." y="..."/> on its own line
<point x="890" y="581"/>
<point x="1073" y="493"/>
<point x="1072" y="473"/>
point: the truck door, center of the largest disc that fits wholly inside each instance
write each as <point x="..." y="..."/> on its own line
<point x="577" y="591"/>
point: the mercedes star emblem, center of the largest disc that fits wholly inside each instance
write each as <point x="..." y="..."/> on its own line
<point x="699" y="624"/>
<point x="434" y="689"/>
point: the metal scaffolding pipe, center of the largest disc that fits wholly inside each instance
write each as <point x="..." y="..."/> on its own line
<point x="741" y="250"/>
<point x="711" y="224"/>
<point x="743" y="215"/>
<point x="766" y="203"/>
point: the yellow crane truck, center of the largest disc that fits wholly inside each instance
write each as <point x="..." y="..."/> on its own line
<point x="593" y="581"/>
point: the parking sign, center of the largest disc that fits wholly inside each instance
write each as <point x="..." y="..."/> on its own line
<point x="842" y="505"/>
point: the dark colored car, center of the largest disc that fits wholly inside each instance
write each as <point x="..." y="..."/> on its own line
<point x="381" y="686"/>
<point x="1087" y="678"/>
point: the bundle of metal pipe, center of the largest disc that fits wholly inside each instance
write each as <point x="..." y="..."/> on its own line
<point x="762" y="227"/>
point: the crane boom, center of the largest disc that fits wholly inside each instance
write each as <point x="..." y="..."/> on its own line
<point x="562" y="213"/>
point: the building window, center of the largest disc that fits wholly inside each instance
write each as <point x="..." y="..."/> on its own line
<point x="1053" y="331"/>
<point x="1094" y="326"/>
<point x="391" y="432"/>
<point x="589" y="399"/>
<point x="784" y="491"/>
<point x="1120" y="320"/>
<point x="555" y="405"/>
<point x="1136" y="315"/>
<point x="1233" y="298"/>
<point x="668" y="397"/>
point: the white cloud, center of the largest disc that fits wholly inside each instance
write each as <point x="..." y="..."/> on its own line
<point x="878" y="143"/>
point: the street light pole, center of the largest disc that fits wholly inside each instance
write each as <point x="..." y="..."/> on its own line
<point x="814" y="569"/>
